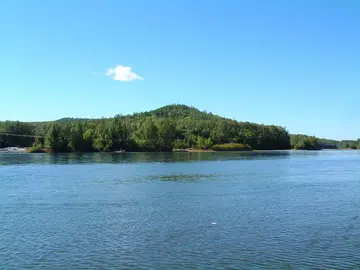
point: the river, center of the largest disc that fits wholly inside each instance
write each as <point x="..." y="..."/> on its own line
<point x="263" y="210"/>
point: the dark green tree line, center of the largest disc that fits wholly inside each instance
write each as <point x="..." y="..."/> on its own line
<point x="173" y="126"/>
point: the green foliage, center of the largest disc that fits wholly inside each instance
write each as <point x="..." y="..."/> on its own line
<point x="203" y="143"/>
<point x="180" y="144"/>
<point x="102" y="140"/>
<point x="88" y="137"/>
<point x="146" y="137"/>
<point x="36" y="148"/>
<point x="166" y="134"/>
<point x="76" y="140"/>
<point x="19" y="129"/>
<point x="328" y="144"/>
<point x="231" y="147"/>
<point x="200" y="143"/>
<point x="348" y="144"/>
<point x="173" y="126"/>
<point x="178" y="111"/>
<point x="39" y="141"/>
<point x="55" y="140"/>
<point x="303" y="142"/>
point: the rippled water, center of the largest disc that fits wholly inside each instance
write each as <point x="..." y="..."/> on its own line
<point x="267" y="210"/>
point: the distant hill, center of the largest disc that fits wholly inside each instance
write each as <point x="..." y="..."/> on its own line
<point x="301" y="141"/>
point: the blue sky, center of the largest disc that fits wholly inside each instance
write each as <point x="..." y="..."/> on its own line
<point x="290" y="63"/>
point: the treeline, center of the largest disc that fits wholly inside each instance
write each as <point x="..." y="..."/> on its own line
<point x="304" y="142"/>
<point x="349" y="144"/>
<point x="167" y="128"/>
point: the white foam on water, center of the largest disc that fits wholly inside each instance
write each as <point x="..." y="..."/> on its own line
<point x="12" y="150"/>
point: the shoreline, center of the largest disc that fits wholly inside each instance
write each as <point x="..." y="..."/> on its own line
<point x="189" y="150"/>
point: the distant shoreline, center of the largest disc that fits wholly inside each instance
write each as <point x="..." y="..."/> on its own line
<point x="182" y="127"/>
<point x="190" y="150"/>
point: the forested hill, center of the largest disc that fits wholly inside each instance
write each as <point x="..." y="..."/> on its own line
<point x="174" y="112"/>
<point x="181" y="112"/>
<point x="163" y="129"/>
<point x="300" y="141"/>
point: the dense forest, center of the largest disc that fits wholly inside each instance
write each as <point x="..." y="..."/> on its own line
<point x="167" y="128"/>
<point x="304" y="142"/>
<point x="164" y="129"/>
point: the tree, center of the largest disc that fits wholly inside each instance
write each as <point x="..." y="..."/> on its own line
<point x="303" y="142"/>
<point x="147" y="135"/>
<point x="88" y="137"/>
<point x="54" y="140"/>
<point x="162" y="129"/>
<point x="203" y="143"/>
<point x="102" y="139"/>
<point x="166" y="134"/>
<point x="76" y="140"/>
<point x="118" y="133"/>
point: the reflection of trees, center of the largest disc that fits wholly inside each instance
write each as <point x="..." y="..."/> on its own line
<point x="140" y="157"/>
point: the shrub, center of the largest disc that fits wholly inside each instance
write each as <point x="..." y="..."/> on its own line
<point x="35" y="149"/>
<point x="231" y="147"/>
<point x="180" y="144"/>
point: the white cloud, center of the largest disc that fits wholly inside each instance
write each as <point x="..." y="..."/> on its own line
<point x="122" y="73"/>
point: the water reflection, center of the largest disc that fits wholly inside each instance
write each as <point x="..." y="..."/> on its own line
<point x="111" y="158"/>
<point x="184" y="177"/>
<point x="84" y="158"/>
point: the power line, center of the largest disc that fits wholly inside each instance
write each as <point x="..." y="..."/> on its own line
<point x="21" y="135"/>
<point x="38" y="136"/>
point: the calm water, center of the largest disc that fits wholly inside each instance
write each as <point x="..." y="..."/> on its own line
<point x="271" y="210"/>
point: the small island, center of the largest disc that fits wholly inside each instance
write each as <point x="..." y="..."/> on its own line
<point x="170" y="128"/>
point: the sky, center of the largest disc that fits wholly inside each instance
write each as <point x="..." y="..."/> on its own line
<point x="290" y="63"/>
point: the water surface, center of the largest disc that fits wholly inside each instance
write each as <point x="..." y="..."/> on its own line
<point x="263" y="210"/>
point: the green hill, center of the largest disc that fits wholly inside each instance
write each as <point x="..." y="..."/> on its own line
<point x="182" y="111"/>
<point x="163" y="129"/>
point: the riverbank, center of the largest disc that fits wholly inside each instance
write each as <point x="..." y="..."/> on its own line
<point x="32" y="150"/>
<point x="193" y="150"/>
<point x="234" y="147"/>
<point x="188" y="150"/>
<point x="12" y="150"/>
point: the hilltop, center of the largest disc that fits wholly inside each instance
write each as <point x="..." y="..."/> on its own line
<point x="180" y="111"/>
<point x="174" y="111"/>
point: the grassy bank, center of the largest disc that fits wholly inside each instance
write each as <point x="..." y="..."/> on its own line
<point x="35" y="149"/>
<point x="231" y="147"/>
<point x="215" y="148"/>
<point x="219" y="147"/>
